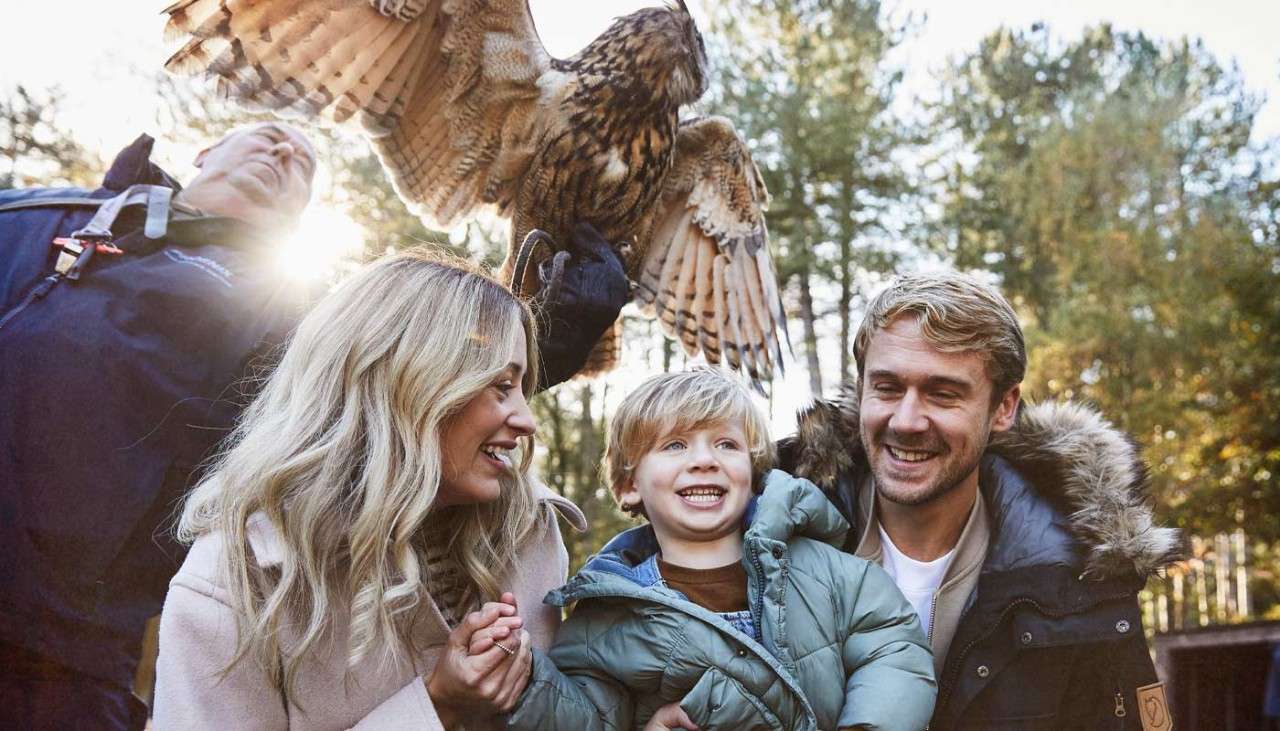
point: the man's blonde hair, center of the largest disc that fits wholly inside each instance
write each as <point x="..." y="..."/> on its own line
<point x="675" y="403"/>
<point x="957" y="314"/>
<point x="341" y="451"/>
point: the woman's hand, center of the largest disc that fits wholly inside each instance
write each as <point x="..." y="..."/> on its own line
<point x="670" y="717"/>
<point x="490" y="682"/>
<point x="497" y="632"/>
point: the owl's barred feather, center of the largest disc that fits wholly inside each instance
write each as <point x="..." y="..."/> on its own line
<point x="715" y="199"/>
<point x="469" y="113"/>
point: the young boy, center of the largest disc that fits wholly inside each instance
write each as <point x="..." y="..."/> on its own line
<point x="735" y="606"/>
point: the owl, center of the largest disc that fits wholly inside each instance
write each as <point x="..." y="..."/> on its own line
<point x="470" y="114"/>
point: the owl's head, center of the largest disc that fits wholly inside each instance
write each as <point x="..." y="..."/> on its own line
<point x="659" y="47"/>
<point x="689" y="78"/>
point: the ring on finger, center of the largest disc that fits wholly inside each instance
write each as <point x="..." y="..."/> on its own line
<point x="504" y="648"/>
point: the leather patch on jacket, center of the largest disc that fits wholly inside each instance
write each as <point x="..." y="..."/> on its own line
<point x="1153" y="709"/>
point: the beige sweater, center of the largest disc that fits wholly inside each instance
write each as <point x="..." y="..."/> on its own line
<point x="198" y="637"/>
<point x="957" y="583"/>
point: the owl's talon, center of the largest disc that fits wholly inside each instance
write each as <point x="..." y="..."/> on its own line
<point x="531" y="240"/>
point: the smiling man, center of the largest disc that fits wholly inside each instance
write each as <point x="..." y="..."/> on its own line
<point x="128" y="315"/>
<point x="260" y="174"/>
<point x="1020" y="534"/>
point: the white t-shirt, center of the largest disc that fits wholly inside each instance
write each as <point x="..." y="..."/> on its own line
<point x="918" y="580"/>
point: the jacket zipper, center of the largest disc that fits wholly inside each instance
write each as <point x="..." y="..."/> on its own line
<point x="946" y="688"/>
<point x="933" y="615"/>
<point x="38" y="292"/>
<point x="758" y="611"/>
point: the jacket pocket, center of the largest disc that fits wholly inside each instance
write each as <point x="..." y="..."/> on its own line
<point x="717" y="702"/>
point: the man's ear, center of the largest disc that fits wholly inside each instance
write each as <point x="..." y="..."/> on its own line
<point x="1006" y="410"/>
<point x="200" y="156"/>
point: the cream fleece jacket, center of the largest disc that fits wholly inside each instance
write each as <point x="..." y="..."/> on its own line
<point x="198" y="638"/>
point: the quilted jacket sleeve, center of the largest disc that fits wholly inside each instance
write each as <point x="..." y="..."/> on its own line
<point x="582" y="700"/>
<point x="886" y="656"/>
<point x="582" y="683"/>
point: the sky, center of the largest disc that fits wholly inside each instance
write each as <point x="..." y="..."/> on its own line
<point x="99" y="52"/>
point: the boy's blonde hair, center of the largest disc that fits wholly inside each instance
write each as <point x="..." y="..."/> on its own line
<point x="681" y="402"/>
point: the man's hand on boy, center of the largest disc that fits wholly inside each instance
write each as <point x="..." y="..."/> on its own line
<point x="669" y="718"/>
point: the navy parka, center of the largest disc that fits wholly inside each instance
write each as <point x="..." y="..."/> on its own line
<point x="113" y="389"/>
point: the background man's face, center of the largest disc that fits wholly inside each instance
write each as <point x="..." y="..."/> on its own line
<point x="269" y="165"/>
<point x="925" y="414"/>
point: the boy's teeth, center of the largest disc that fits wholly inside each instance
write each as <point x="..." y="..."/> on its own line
<point x="701" y="494"/>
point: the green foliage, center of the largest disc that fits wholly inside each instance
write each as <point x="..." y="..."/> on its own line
<point x="810" y="85"/>
<point x="1110" y="184"/>
<point x="571" y="430"/>
<point x="34" y="147"/>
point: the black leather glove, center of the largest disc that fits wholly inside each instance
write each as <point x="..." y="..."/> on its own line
<point x="582" y="291"/>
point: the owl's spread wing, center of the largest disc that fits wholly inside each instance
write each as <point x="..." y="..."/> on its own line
<point x="448" y="89"/>
<point x="707" y="274"/>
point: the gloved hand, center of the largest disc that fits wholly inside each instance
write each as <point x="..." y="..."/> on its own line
<point x="577" y="304"/>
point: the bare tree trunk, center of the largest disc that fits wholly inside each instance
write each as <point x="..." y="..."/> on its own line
<point x="586" y="445"/>
<point x="846" y="277"/>
<point x="846" y="302"/>
<point x="1242" y="575"/>
<point x="583" y="474"/>
<point x="557" y="450"/>
<point x="1179" y="600"/>
<point x="810" y="335"/>
<point x="1222" y="598"/>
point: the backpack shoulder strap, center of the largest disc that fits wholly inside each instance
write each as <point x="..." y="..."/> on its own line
<point x="53" y="202"/>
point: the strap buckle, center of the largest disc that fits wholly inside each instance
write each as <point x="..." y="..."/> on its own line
<point x="75" y="251"/>
<point x="75" y="245"/>
<point x="78" y="248"/>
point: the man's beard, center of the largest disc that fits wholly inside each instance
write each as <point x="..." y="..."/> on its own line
<point x="955" y="467"/>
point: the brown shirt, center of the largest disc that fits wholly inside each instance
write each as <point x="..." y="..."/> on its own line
<point x="722" y="589"/>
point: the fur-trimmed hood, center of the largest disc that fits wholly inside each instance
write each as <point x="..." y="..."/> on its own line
<point x="1076" y="461"/>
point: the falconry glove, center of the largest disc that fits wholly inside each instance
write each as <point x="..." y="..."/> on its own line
<point x="579" y="298"/>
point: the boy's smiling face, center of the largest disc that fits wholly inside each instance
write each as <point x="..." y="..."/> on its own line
<point x="694" y="484"/>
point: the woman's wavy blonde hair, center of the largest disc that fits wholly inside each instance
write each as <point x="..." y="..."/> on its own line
<point x="341" y="452"/>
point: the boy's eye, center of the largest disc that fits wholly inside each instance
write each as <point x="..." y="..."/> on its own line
<point x="727" y="444"/>
<point x="672" y="445"/>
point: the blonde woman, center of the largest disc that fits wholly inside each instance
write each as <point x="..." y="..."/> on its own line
<point x="370" y="512"/>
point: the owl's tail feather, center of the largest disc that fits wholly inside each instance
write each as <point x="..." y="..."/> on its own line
<point x="711" y="300"/>
<point x="724" y="326"/>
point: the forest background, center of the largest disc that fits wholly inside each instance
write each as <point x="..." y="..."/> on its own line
<point x="1111" y="182"/>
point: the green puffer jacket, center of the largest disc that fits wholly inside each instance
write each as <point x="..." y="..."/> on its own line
<point x="837" y="645"/>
